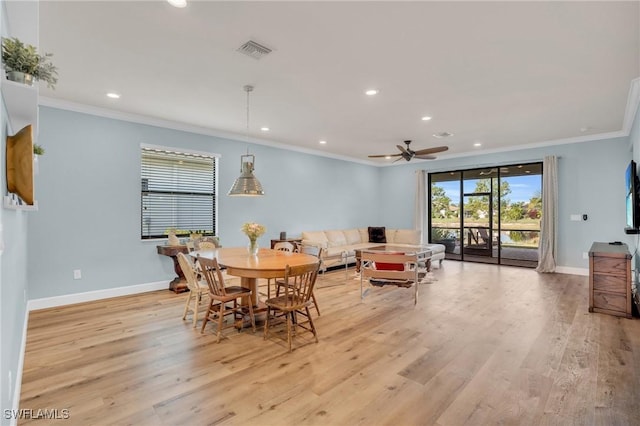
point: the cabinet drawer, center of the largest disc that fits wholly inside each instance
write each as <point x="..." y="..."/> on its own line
<point x="610" y="283"/>
<point x="611" y="301"/>
<point x="610" y="265"/>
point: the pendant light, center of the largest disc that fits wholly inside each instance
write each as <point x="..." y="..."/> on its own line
<point x="247" y="184"/>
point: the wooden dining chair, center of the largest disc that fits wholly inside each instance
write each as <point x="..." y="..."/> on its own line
<point x="218" y="292"/>
<point x="313" y="251"/>
<point x="280" y="246"/>
<point x="382" y="269"/>
<point x="206" y="245"/>
<point x="197" y="287"/>
<point x="294" y="300"/>
<point x="284" y="246"/>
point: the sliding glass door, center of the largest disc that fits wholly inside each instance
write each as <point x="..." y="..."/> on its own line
<point x="520" y="217"/>
<point x="488" y="215"/>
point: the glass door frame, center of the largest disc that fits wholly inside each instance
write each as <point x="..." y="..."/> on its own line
<point x="496" y="180"/>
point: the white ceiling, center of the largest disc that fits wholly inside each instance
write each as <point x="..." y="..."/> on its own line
<point x="503" y="74"/>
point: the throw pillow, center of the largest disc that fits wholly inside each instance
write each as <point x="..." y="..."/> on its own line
<point x="377" y="234"/>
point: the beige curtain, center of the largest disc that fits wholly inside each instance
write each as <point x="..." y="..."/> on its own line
<point x="548" y="248"/>
<point x="421" y="212"/>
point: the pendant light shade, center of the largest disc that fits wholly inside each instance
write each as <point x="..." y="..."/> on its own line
<point x="247" y="185"/>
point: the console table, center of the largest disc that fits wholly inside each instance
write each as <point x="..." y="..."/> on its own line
<point x="610" y="279"/>
<point x="179" y="283"/>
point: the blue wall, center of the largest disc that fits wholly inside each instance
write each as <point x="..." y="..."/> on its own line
<point x="13" y="284"/>
<point x="88" y="190"/>
<point x="591" y="181"/>
<point x="89" y="196"/>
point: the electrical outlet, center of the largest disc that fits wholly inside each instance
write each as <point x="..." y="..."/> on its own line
<point x="585" y="255"/>
<point x="77" y="274"/>
<point x="576" y="217"/>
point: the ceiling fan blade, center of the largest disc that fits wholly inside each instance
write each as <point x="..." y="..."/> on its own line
<point x="384" y="155"/>
<point x="401" y="148"/>
<point x="426" y="157"/>
<point x="433" y="150"/>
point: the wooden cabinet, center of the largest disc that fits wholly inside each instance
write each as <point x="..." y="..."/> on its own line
<point x="610" y="279"/>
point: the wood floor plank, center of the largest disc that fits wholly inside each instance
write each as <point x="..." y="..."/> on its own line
<point x="485" y="344"/>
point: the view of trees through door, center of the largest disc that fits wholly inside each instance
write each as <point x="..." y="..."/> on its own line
<point x="488" y="215"/>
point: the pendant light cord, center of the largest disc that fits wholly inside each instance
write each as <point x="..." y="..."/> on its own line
<point x="248" y="88"/>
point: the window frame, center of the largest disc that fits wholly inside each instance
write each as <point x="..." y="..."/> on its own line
<point x="178" y="150"/>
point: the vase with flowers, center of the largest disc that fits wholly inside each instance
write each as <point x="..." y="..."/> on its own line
<point x="253" y="231"/>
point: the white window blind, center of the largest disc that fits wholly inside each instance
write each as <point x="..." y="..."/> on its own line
<point x="177" y="191"/>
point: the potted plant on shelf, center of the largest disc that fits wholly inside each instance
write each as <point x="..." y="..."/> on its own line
<point x="38" y="150"/>
<point x="23" y="64"/>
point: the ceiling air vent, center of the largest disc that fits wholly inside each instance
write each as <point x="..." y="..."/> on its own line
<point x="442" y="135"/>
<point x="254" y="50"/>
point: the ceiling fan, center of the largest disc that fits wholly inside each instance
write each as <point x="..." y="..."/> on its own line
<point x="408" y="153"/>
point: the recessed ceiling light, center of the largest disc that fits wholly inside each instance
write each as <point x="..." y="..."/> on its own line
<point x="477" y="144"/>
<point x="388" y="157"/>
<point x="426" y="118"/>
<point x="113" y="95"/>
<point x="371" y="92"/>
<point x="264" y="129"/>
<point x="323" y="142"/>
<point x="527" y="171"/>
<point x="177" y="3"/>
<point x="442" y="135"/>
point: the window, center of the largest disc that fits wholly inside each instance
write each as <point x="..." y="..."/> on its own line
<point x="178" y="190"/>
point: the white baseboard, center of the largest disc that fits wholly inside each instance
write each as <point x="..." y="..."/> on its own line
<point x="18" y="379"/>
<point x="70" y="299"/>
<point x="572" y="271"/>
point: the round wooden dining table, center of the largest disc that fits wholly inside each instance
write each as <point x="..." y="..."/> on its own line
<point x="267" y="263"/>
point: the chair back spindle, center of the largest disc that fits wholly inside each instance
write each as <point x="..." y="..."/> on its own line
<point x="213" y="275"/>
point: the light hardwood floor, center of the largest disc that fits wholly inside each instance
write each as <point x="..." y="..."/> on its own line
<point x="486" y="344"/>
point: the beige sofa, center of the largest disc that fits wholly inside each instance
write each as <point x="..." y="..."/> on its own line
<point x="339" y="246"/>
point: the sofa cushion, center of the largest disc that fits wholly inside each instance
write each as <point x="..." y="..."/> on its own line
<point x="352" y="236"/>
<point x="377" y="234"/>
<point x="364" y="235"/>
<point x="390" y="235"/>
<point x="317" y="237"/>
<point x="407" y="236"/>
<point x="336" y="238"/>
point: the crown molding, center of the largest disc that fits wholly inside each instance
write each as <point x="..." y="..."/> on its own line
<point x="632" y="106"/>
<point x="174" y="125"/>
